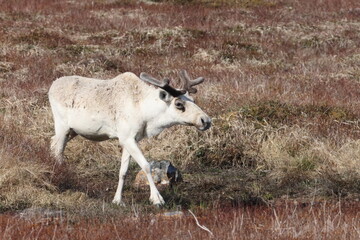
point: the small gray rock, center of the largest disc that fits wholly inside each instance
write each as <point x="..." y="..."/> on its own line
<point x="163" y="172"/>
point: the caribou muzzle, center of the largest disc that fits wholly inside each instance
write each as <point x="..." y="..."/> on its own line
<point x="205" y="123"/>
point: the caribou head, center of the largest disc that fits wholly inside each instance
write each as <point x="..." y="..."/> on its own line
<point x="181" y="106"/>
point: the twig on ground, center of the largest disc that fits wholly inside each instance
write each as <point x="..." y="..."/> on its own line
<point x="201" y="226"/>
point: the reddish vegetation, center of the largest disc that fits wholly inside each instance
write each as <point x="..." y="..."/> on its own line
<point x="286" y="221"/>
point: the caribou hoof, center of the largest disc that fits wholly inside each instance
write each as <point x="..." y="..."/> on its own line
<point x="157" y="200"/>
<point x="119" y="203"/>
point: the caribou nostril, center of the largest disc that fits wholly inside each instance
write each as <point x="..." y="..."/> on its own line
<point x="206" y="123"/>
<point x="202" y="121"/>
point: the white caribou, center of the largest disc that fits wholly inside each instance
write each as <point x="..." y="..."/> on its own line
<point x="127" y="108"/>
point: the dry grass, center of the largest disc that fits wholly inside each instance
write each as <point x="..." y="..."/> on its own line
<point x="283" y="88"/>
<point x="317" y="220"/>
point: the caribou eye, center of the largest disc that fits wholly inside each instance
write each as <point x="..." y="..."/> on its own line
<point x="179" y="104"/>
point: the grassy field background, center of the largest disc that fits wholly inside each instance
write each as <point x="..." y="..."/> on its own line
<point x="282" y="86"/>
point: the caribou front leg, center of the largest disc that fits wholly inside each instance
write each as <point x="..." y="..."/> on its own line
<point x="125" y="158"/>
<point x="137" y="155"/>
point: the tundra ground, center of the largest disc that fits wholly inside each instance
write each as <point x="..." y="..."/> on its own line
<point x="282" y="86"/>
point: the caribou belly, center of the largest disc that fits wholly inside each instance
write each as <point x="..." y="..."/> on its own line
<point x="92" y="126"/>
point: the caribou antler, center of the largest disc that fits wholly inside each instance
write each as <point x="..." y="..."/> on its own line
<point x="187" y="83"/>
<point x="165" y="84"/>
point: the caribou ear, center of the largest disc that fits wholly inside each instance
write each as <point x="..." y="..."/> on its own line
<point x="165" y="96"/>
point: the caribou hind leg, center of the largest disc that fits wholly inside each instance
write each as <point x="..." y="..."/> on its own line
<point x="58" y="142"/>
